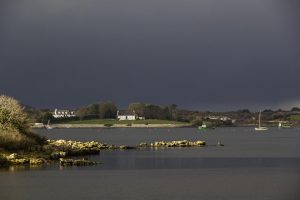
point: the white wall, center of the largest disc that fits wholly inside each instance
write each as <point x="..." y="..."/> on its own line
<point x="126" y="117"/>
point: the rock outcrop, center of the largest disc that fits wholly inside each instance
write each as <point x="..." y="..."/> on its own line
<point x="65" y="148"/>
<point x="180" y="143"/>
<point x="37" y="161"/>
<point x="20" y="161"/>
<point x="143" y="144"/>
<point x="58" y="154"/>
<point x="73" y="162"/>
<point x="16" y="159"/>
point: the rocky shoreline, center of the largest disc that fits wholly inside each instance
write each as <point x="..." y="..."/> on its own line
<point x="64" y="150"/>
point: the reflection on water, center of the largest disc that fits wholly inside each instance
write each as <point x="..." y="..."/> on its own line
<point x="19" y="168"/>
<point x="197" y="163"/>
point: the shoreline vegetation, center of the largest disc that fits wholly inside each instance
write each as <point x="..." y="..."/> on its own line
<point x="105" y="114"/>
<point x="152" y="123"/>
<point x="186" y="125"/>
<point x="113" y="123"/>
<point x="123" y="122"/>
<point x="115" y="126"/>
<point x="19" y="146"/>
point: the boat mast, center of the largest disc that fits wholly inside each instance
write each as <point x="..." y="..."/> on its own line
<point x="259" y="119"/>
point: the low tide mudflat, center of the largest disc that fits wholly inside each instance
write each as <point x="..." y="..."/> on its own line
<point x="251" y="165"/>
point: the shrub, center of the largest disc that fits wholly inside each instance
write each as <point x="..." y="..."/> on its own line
<point x="12" y="115"/>
<point x="14" y="127"/>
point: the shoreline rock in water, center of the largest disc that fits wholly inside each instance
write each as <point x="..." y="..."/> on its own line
<point x="180" y="143"/>
<point x="16" y="159"/>
<point x="53" y="150"/>
<point x="80" y="162"/>
<point x="63" y="149"/>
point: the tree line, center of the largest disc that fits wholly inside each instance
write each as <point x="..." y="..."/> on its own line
<point x="108" y="110"/>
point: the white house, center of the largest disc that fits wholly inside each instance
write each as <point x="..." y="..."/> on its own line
<point x="126" y="115"/>
<point x="63" y="113"/>
<point x="213" y="117"/>
<point x="225" y="118"/>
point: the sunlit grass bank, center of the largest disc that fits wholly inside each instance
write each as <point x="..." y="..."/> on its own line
<point x="295" y="118"/>
<point x="114" y="121"/>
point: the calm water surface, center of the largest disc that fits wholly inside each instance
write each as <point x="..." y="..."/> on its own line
<point x="251" y="165"/>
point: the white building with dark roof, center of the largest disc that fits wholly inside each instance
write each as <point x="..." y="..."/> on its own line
<point x="63" y="113"/>
<point x="126" y="115"/>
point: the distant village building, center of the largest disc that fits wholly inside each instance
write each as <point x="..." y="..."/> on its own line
<point x="225" y="118"/>
<point x="63" y="113"/>
<point x="213" y="117"/>
<point x="220" y="118"/>
<point x="127" y="115"/>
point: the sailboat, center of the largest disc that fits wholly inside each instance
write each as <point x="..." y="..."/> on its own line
<point x="260" y="128"/>
<point x="48" y="125"/>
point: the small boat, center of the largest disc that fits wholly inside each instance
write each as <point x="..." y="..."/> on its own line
<point x="205" y="127"/>
<point x="48" y="125"/>
<point x="282" y="125"/>
<point x="260" y="128"/>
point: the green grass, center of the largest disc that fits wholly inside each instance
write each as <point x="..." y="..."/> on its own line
<point x="295" y="117"/>
<point x="114" y="121"/>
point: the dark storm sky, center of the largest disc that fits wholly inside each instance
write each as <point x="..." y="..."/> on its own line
<point x="199" y="54"/>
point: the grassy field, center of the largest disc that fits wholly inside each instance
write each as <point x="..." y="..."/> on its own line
<point x="295" y="118"/>
<point x="114" y="121"/>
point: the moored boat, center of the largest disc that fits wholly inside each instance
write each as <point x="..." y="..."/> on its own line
<point x="205" y="127"/>
<point x="260" y="128"/>
<point x="48" y="126"/>
<point x="284" y="125"/>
